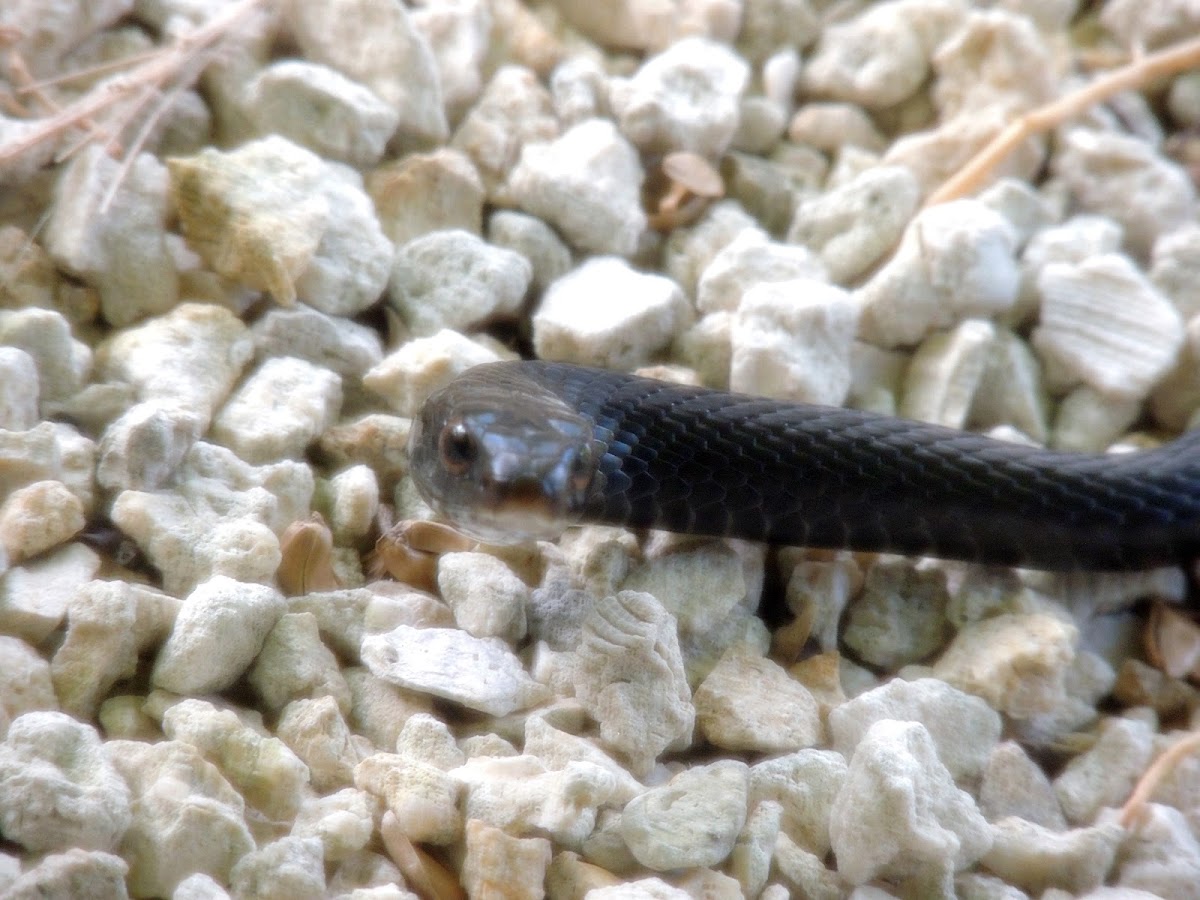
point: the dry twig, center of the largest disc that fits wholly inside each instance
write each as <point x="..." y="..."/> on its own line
<point x="1136" y="74"/>
<point x="1135" y="806"/>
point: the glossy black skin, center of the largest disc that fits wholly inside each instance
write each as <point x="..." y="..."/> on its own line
<point x="706" y="462"/>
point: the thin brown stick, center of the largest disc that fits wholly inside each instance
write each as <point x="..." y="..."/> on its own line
<point x="976" y="171"/>
<point x="163" y="67"/>
<point x="1154" y="775"/>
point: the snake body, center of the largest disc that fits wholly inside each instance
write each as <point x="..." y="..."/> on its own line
<point x="520" y="449"/>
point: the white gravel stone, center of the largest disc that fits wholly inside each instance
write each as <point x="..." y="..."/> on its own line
<point x="290" y="868"/>
<point x="34" y="597"/>
<point x="1073" y="241"/>
<point x="479" y="674"/>
<point x="189" y="358"/>
<point x="900" y="616"/>
<point x="1105" y="774"/>
<point x="1129" y="181"/>
<point x="294" y="664"/>
<point x="1014" y="785"/>
<point x="75" y="873"/>
<point x="219" y="631"/>
<point x="1016" y="662"/>
<point x="29" y="456"/>
<point x="344" y="821"/>
<point x="276" y="217"/>
<point x="19" y="389"/>
<point x="604" y="313"/>
<point x="25" y="684"/>
<point x="1175" y="268"/>
<point x="955" y="261"/>
<point x="587" y="184"/>
<point x="353" y="504"/>
<point x="1088" y="421"/>
<point x="792" y="340"/>
<point x="533" y="239"/>
<point x="406" y="377"/>
<point x="945" y="372"/>
<point x="186" y="816"/>
<point x="880" y="58"/>
<point x="853" y="226"/>
<point x="279" y="410"/>
<point x="693" y="820"/>
<point x="1035" y="859"/>
<point x="422" y="797"/>
<point x="453" y="279"/>
<point x="221" y="517"/>
<point x="142" y="448"/>
<point x="323" y="110"/>
<point x="804" y="784"/>
<point x="630" y="678"/>
<point x="1104" y="324"/>
<point x="426" y="192"/>
<point x="557" y="749"/>
<point x="687" y="252"/>
<point x="750" y="860"/>
<point x="376" y="43"/>
<point x="37" y="517"/>
<point x="331" y="342"/>
<point x="115" y="242"/>
<point x="751" y="259"/>
<point x="459" y="36"/>
<point x="487" y="597"/>
<point x="262" y="769"/>
<point x="1162" y="859"/>
<point x="750" y="704"/>
<point x="494" y="858"/>
<point x="639" y="889"/>
<point x="63" y="363"/>
<point x="514" y="110"/>
<point x="1010" y="389"/>
<point x="831" y="126"/>
<point x="315" y="731"/>
<point x="963" y="728"/>
<point x="57" y="788"/>
<point x="899" y="815"/>
<point x="110" y="625"/>
<point x="685" y="98"/>
<point x="518" y="794"/>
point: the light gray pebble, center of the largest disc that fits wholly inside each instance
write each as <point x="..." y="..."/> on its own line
<point x="323" y="110"/>
<point x="533" y="239"/>
<point x="58" y="789"/>
<point x="587" y="184"/>
<point x="688" y="251"/>
<point x="220" y="629"/>
<point x="945" y="372"/>
<point x="378" y="46"/>
<point x="1175" y="268"/>
<point x="514" y="111"/>
<point x="1036" y="859"/>
<point x="459" y="35"/>
<point x="408" y="375"/>
<point x="693" y="820"/>
<point x="879" y="828"/>
<point x="1014" y="785"/>
<point x="1129" y="181"/>
<point x="1010" y="390"/>
<point x="1104" y="324"/>
<point x="25" y="680"/>
<point x="763" y="188"/>
<point x="792" y="340"/>
<point x="751" y="259"/>
<point x="480" y="674"/>
<point x="852" y="226"/>
<point x="63" y="363"/>
<point x="453" y="279"/>
<point x="427" y="192"/>
<point x="963" y="728"/>
<point x="18" y="390"/>
<point x="1077" y="239"/>
<point x="289" y="867"/>
<point x="955" y="261"/>
<point x="34" y="596"/>
<point x="900" y="616"/>
<point x="191" y="356"/>
<point x="116" y="243"/>
<point x="604" y="313"/>
<point x="831" y="126"/>
<point x="279" y="410"/>
<point x="579" y="88"/>
<point x="69" y="874"/>
<point x="487" y="597"/>
<point x="1105" y="774"/>
<point x="141" y="449"/>
<point x="294" y="664"/>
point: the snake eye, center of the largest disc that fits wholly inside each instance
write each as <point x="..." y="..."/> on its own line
<point x="458" y="448"/>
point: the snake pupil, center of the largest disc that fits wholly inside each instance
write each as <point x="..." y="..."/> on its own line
<point x="458" y="448"/>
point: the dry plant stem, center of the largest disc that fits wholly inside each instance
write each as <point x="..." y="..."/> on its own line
<point x="161" y="68"/>
<point x="972" y="176"/>
<point x="1159" y="769"/>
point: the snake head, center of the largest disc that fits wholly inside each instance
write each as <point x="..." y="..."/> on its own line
<point x="502" y="471"/>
